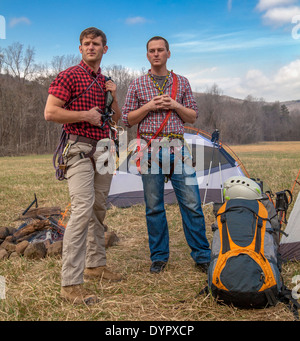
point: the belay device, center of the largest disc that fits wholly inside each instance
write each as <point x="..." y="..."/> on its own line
<point x="107" y="118"/>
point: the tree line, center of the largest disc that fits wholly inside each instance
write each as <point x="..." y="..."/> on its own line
<point x="24" y="90"/>
<point x="246" y="121"/>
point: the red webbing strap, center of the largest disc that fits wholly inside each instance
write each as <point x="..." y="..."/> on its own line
<point x="141" y="152"/>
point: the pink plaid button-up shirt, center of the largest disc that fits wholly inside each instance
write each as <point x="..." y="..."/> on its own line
<point x="142" y="90"/>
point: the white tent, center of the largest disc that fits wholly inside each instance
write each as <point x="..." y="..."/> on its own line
<point x="215" y="162"/>
<point x="289" y="247"/>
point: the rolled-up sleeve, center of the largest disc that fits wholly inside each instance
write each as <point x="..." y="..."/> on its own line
<point x="131" y="103"/>
<point x="188" y="98"/>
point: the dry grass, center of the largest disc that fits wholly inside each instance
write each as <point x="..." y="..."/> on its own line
<point x="32" y="287"/>
<point x="283" y="146"/>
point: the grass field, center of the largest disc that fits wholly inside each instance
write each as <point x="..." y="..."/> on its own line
<point x="32" y="287"/>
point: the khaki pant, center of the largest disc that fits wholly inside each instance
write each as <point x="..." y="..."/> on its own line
<point x="84" y="241"/>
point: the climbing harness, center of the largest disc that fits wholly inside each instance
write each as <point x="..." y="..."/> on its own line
<point x="63" y="146"/>
<point x="140" y="152"/>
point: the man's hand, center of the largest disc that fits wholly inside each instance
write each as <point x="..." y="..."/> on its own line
<point x="55" y="112"/>
<point x="163" y="102"/>
<point x="94" y="117"/>
<point x="112" y="87"/>
<point x="167" y="103"/>
<point x="159" y="103"/>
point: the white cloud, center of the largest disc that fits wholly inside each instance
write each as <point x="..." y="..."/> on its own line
<point x="183" y="36"/>
<point x="229" y="5"/>
<point x="228" y="85"/>
<point x="289" y="74"/>
<point x="278" y="13"/>
<point x="135" y="20"/>
<point x="255" y="79"/>
<point x="284" y="85"/>
<point x="16" y="21"/>
<point x="203" y="79"/>
<point x="267" y="4"/>
<point x="197" y="76"/>
<point x="229" y="42"/>
<point x="280" y="16"/>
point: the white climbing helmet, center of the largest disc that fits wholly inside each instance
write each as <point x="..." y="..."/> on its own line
<point x="241" y="187"/>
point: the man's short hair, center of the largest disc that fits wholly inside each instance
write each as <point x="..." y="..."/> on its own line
<point x="158" y="38"/>
<point x="94" y="32"/>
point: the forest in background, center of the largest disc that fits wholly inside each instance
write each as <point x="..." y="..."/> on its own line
<point x="24" y="90"/>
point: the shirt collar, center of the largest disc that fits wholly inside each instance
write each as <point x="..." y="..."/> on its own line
<point x="89" y="70"/>
<point x="170" y="80"/>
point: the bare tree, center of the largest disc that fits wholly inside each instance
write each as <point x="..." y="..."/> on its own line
<point x="17" y="62"/>
<point x="23" y="128"/>
<point x="210" y="106"/>
<point x="60" y="63"/>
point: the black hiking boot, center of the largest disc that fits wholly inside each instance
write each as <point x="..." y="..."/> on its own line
<point x="202" y="267"/>
<point x="157" y="266"/>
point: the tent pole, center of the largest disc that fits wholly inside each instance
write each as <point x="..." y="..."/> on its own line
<point x="208" y="177"/>
<point x="296" y="181"/>
<point x="214" y="140"/>
<point x="221" y="179"/>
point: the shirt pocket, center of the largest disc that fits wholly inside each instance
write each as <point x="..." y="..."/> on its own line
<point x="145" y="94"/>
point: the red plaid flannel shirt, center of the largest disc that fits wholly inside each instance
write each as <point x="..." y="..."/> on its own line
<point x="142" y="90"/>
<point x="70" y="84"/>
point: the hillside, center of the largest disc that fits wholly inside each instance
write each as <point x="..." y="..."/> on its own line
<point x="293" y="106"/>
<point x="23" y="129"/>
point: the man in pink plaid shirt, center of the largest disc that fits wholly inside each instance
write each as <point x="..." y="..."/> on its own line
<point x="142" y="92"/>
<point x="149" y="100"/>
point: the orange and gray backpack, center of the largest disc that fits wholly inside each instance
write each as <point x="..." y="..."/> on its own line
<point x="244" y="269"/>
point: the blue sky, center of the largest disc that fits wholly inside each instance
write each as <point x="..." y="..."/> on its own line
<point x="245" y="47"/>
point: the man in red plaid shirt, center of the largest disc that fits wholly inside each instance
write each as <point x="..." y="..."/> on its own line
<point x="151" y="102"/>
<point x="77" y="99"/>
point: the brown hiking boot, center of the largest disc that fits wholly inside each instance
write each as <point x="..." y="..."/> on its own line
<point x="77" y="294"/>
<point x="101" y="272"/>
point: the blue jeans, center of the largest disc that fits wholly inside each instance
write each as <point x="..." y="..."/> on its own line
<point x="185" y="186"/>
